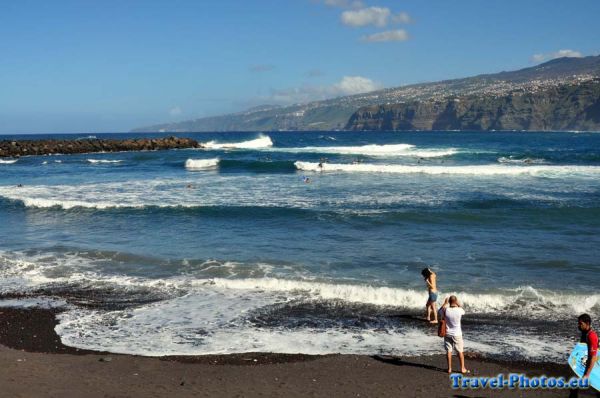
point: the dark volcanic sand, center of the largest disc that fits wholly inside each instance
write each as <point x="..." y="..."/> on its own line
<point x="32" y="367"/>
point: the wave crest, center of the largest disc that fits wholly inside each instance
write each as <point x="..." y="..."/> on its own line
<point x="263" y="141"/>
<point x="518" y="302"/>
<point x="483" y="170"/>
<point x="201" y="164"/>
<point x="103" y="161"/>
<point x="513" y="160"/>
<point x="392" y="150"/>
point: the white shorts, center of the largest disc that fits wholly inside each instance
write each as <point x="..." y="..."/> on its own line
<point x="453" y="343"/>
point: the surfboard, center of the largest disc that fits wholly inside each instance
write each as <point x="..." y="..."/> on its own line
<point x="577" y="361"/>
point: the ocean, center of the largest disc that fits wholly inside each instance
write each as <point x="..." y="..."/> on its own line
<point x="249" y="245"/>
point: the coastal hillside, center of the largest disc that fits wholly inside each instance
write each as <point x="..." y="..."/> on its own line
<point x="573" y="106"/>
<point x="335" y="114"/>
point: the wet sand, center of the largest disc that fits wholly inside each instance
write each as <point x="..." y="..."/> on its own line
<point x="36" y="364"/>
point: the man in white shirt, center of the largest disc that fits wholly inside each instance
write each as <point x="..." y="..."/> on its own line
<point x="452" y="313"/>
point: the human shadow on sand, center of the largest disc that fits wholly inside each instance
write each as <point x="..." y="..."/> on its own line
<point x="399" y="362"/>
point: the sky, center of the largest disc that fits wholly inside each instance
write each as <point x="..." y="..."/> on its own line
<point x="113" y="65"/>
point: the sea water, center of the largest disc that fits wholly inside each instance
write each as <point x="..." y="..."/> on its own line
<point x="309" y="242"/>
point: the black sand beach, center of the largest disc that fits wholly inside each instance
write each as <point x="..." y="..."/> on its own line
<point x="37" y="364"/>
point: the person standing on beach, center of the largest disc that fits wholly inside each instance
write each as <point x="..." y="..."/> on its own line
<point x="589" y="337"/>
<point x="430" y="279"/>
<point x="452" y="313"/>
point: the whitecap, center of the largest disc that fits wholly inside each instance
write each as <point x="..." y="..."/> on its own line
<point x="201" y="164"/>
<point x="478" y="170"/>
<point x="262" y="141"/>
<point x="513" y="160"/>
<point x="96" y="161"/>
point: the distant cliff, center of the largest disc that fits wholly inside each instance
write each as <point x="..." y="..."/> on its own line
<point x="574" y="106"/>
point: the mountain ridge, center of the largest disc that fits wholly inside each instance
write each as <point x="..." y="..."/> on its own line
<point x="335" y="113"/>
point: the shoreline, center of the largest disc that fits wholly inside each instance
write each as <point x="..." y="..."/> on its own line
<point x="31" y="349"/>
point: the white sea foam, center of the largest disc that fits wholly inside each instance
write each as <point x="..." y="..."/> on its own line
<point x="531" y="300"/>
<point x="210" y="315"/>
<point x="211" y="319"/>
<point x="33" y="302"/>
<point x="289" y="191"/>
<point x="512" y="160"/>
<point x="262" y="141"/>
<point x="481" y="170"/>
<point x="187" y="327"/>
<point x="56" y="161"/>
<point x="391" y="150"/>
<point x="526" y="301"/>
<point x="201" y="164"/>
<point x="234" y="190"/>
<point x="95" y="161"/>
<point x="10" y="161"/>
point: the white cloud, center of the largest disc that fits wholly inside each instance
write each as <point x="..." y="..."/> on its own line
<point x="557" y="54"/>
<point x="377" y="16"/>
<point x="390" y="35"/>
<point x="355" y="85"/>
<point x="567" y="53"/>
<point x="176" y="111"/>
<point x="402" y="18"/>
<point x="348" y="85"/>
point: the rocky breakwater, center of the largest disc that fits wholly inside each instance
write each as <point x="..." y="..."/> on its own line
<point x="13" y="148"/>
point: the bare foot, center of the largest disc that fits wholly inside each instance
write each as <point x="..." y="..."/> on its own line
<point x="449" y="371"/>
<point x="433" y="322"/>
<point x="465" y="371"/>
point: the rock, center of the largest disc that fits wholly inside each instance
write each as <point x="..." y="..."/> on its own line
<point x="67" y="147"/>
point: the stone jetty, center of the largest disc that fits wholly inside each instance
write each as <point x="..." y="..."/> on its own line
<point x="17" y="148"/>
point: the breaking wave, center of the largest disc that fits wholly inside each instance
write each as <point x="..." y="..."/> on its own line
<point x="391" y="150"/>
<point x="521" y="301"/>
<point x="481" y="170"/>
<point x="85" y="268"/>
<point x="201" y="164"/>
<point x="213" y="310"/>
<point x="514" y="160"/>
<point x="103" y="161"/>
<point x="262" y="141"/>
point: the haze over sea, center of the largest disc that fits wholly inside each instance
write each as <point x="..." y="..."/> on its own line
<point x="249" y="245"/>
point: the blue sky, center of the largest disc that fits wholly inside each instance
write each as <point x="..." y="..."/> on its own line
<point x="99" y="66"/>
